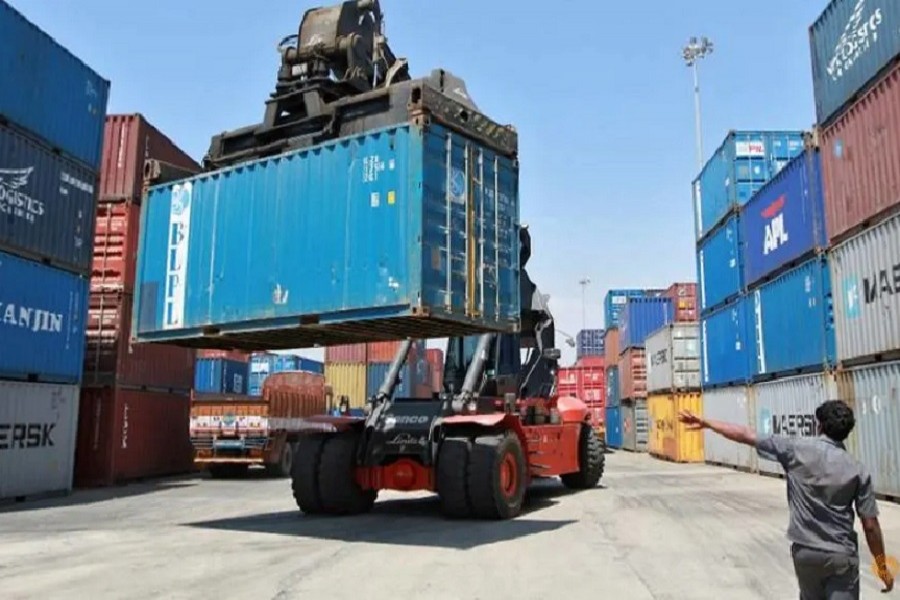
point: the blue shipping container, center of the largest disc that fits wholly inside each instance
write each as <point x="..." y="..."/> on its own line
<point x="851" y="42"/>
<point x="793" y="320"/>
<point x="48" y="91"/>
<point x="410" y="376"/>
<point x="374" y="210"/>
<point x="744" y="162"/>
<point x="308" y="364"/>
<point x="220" y="376"/>
<point x="47" y="204"/>
<point x="614" y="437"/>
<point x="724" y="347"/>
<point x="254" y="387"/>
<point x="641" y="317"/>
<point x="42" y="316"/>
<point x="719" y="266"/>
<point x="614" y="302"/>
<point x="785" y="221"/>
<point x="612" y="386"/>
<point x="590" y="342"/>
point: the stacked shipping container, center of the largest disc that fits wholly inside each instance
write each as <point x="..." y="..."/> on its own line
<point x="263" y="364"/>
<point x="586" y="380"/>
<point x="589" y="342"/>
<point x="52" y="108"/>
<point x="356" y="371"/>
<point x="136" y="397"/>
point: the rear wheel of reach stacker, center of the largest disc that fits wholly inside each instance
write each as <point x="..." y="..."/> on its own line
<point x="497" y="476"/>
<point x="591" y="460"/>
<point x="305" y="473"/>
<point x="339" y="492"/>
<point x="452" y="477"/>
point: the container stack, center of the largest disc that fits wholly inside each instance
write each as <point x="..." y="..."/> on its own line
<point x="136" y="397"/>
<point x="586" y="380"/>
<point x="589" y="342"/>
<point x="857" y="96"/>
<point x="356" y="371"/>
<point x="221" y="376"/>
<point x="263" y="364"/>
<point x="52" y="107"/>
<point x="613" y="303"/>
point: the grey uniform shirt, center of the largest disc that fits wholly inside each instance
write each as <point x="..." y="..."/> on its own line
<point x="824" y="482"/>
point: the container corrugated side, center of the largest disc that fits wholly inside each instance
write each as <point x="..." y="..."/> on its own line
<point x="612" y="386"/>
<point x="128" y="434"/>
<point x="37" y="438"/>
<point x="865" y="270"/>
<point x="308" y="364"/>
<point x="658" y="409"/>
<point x="733" y="405"/>
<point x="792" y="319"/>
<point x="46" y="203"/>
<point x="861" y="161"/>
<point x="739" y="167"/>
<point x="671" y="439"/>
<point x="635" y="425"/>
<point x="220" y="376"/>
<point x="685" y="303"/>
<point x="876" y="405"/>
<point x="129" y="140"/>
<point x="110" y="358"/>
<point x="785" y="220"/>
<point x="787" y="407"/>
<point x="614" y="426"/>
<point x="720" y="266"/>
<point x="42" y="329"/>
<point x="851" y="42"/>
<point x="116" y="233"/>
<point x="411" y="375"/>
<point x="388" y="186"/>
<point x="641" y="317"/>
<point x="346" y="353"/>
<point x="49" y="91"/>
<point x="347" y="379"/>
<point x="673" y="358"/>
<point x="632" y="374"/>
<point x="726" y="345"/>
<point x="614" y="302"/>
<point x="611" y="348"/>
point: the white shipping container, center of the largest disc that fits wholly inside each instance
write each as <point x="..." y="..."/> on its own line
<point x="875" y="391"/>
<point x="734" y="405"/>
<point x="788" y="407"/>
<point x="38" y="424"/>
<point x="865" y="276"/>
<point x="673" y="358"/>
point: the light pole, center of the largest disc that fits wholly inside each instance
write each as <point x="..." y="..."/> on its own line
<point x="694" y="51"/>
<point x="584" y="283"/>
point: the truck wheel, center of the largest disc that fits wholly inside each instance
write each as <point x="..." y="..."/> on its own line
<point x="591" y="460"/>
<point x="305" y="473"/>
<point x="340" y="493"/>
<point x="285" y="463"/>
<point x="497" y="476"/>
<point x="452" y="474"/>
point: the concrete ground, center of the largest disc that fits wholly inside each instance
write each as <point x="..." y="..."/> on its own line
<point x="653" y="530"/>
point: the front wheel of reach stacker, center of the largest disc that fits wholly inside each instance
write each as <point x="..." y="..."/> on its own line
<point x="338" y="489"/>
<point x="591" y="460"/>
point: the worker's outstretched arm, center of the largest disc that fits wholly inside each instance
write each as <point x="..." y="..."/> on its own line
<point x="735" y="433"/>
<point x="867" y="509"/>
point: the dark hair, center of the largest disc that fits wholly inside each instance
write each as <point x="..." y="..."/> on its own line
<point x="836" y="419"/>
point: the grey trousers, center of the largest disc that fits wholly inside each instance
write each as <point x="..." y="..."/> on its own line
<point x="824" y="575"/>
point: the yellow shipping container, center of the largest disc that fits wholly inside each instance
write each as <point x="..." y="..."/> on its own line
<point x="347" y="379"/>
<point x="670" y="439"/>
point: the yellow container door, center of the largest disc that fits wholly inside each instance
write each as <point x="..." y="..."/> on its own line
<point x="686" y="446"/>
<point x="657" y="405"/>
<point x="347" y="379"/>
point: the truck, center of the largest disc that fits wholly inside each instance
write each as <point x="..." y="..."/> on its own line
<point x="232" y="432"/>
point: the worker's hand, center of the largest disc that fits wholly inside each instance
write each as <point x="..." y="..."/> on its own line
<point x="888" y="580"/>
<point x="885" y="567"/>
<point x="691" y="420"/>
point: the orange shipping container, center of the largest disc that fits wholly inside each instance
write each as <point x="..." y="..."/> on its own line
<point x="632" y="374"/>
<point x="115" y="247"/>
<point x="346" y="353"/>
<point x="126" y="434"/>
<point x="611" y="347"/>
<point x="435" y="358"/>
<point x="684" y="301"/>
<point x="291" y="395"/>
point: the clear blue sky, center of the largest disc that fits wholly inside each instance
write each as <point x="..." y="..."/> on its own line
<point x="597" y="90"/>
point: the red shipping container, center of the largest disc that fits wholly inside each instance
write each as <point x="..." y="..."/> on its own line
<point x="129" y="140"/>
<point x="861" y="161"/>
<point x="632" y="374"/>
<point x="435" y="358"/>
<point x="586" y="381"/>
<point x="346" y="354"/>
<point x="611" y="346"/>
<point x="236" y="355"/>
<point x="684" y="301"/>
<point x="591" y="361"/>
<point x="115" y="246"/>
<point x="110" y="358"/>
<point x="126" y="434"/>
<point x="567" y="382"/>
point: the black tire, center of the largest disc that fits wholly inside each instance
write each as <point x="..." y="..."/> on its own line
<point x="284" y="466"/>
<point x="305" y="473"/>
<point x="338" y="489"/>
<point x="591" y="461"/>
<point x="228" y="471"/>
<point x="452" y="478"/>
<point x="490" y="496"/>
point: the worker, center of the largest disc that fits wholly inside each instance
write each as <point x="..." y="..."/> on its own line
<point x="823" y="483"/>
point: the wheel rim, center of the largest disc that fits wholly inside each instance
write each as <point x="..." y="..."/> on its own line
<point x="509" y="475"/>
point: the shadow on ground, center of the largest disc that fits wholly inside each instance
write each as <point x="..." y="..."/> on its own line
<point x="408" y="522"/>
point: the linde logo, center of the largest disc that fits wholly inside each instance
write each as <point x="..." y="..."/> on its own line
<point x="30" y="318"/>
<point x="13" y="199"/>
<point x="860" y="33"/>
<point x="25" y="436"/>
<point x="776" y="234"/>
